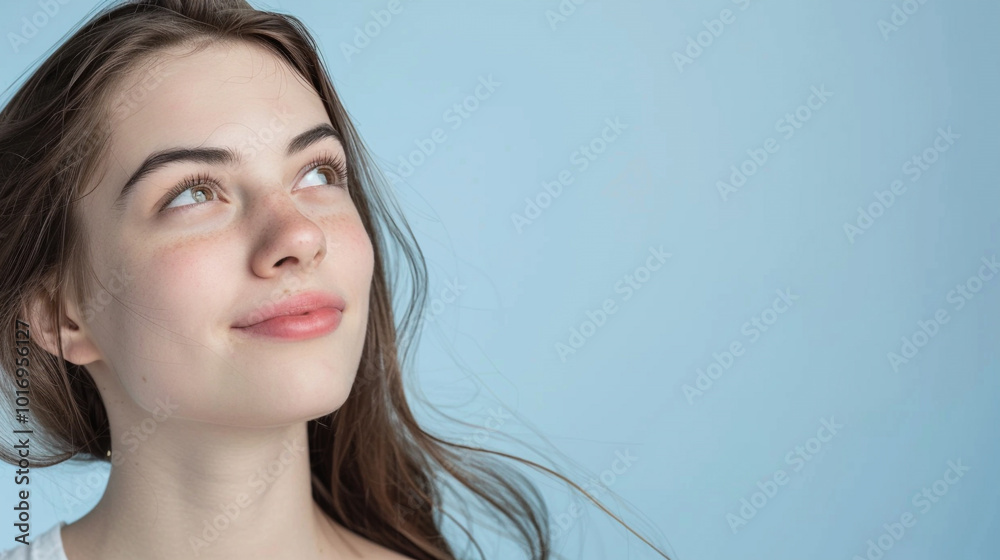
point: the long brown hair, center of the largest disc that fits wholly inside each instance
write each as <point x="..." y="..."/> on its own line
<point x="374" y="469"/>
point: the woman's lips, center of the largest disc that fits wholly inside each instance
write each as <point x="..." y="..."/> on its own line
<point x="311" y="324"/>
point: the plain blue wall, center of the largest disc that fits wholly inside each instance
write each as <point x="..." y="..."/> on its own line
<point x="628" y="388"/>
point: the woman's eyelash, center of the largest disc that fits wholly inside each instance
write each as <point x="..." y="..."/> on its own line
<point x="336" y="163"/>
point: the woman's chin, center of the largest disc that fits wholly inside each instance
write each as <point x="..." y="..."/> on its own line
<point x="269" y="405"/>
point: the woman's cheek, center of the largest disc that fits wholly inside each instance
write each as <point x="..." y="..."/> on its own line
<point x="161" y="329"/>
<point x="353" y="230"/>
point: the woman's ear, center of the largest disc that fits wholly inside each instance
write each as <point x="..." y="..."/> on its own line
<point x="41" y="311"/>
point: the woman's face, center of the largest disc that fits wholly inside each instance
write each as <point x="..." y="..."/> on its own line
<point x="184" y="266"/>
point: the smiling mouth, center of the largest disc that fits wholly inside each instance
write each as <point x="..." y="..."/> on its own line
<point x="311" y="324"/>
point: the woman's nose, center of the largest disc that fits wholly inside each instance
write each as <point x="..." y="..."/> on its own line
<point x="284" y="236"/>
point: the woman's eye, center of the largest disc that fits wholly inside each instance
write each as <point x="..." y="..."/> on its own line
<point x="198" y="197"/>
<point x="321" y="171"/>
<point x="202" y="187"/>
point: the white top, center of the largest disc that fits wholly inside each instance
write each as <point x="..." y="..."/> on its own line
<point x="47" y="546"/>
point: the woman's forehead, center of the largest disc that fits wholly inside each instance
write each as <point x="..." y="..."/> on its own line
<point x="234" y="95"/>
<point x="217" y="80"/>
<point x="221" y="91"/>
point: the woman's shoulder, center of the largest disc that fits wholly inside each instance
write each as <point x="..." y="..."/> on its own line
<point x="47" y="546"/>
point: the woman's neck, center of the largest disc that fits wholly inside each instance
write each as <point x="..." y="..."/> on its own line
<point x="188" y="491"/>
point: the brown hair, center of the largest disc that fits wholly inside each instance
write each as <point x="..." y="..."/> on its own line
<point x="374" y="469"/>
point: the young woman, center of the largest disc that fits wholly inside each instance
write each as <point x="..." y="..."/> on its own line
<point x="196" y="251"/>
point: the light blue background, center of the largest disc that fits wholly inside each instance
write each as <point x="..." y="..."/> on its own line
<point x="656" y="186"/>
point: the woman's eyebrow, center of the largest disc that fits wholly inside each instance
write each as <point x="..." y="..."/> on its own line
<point x="215" y="156"/>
